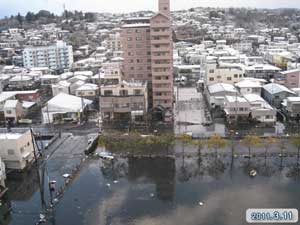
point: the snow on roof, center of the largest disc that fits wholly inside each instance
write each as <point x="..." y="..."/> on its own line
<point x="84" y="73"/>
<point x="136" y="25"/>
<point x="6" y="95"/>
<point x="293" y="99"/>
<point x="87" y="87"/>
<point x="248" y="84"/>
<point x="80" y="77"/>
<point x="10" y="136"/>
<point x="27" y="104"/>
<point x="49" y="76"/>
<point x="66" y="103"/>
<point x="274" y="88"/>
<point x="235" y="99"/>
<point x="220" y="87"/>
<point x="262" y="67"/>
<point x="63" y="83"/>
<point x="290" y="71"/>
<point x="21" y="78"/>
<point x="11" y="104"/>
<point x="185" y="67"/>
<point x="66" y="75"/>
<point x="253" y="98"/>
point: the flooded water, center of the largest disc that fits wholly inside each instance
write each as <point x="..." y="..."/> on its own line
<point x="166" y="191"/>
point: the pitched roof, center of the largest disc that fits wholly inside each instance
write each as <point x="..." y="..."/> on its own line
<point x="220" y="87"/>
<point x="66" y="103"/>
<point x="274" y="88"/>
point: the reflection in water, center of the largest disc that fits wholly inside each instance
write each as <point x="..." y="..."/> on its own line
<point x="123" y="191"/>
<point x="5" y="206"/>
<point x="22" y="186"/>
<point x="160" y="171"/>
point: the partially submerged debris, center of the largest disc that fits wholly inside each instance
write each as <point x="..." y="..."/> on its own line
<point x="253" y="173"/>
<point x="106" y="156"/>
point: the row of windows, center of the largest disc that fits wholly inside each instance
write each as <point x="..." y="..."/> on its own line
<point x="130" y="31"/>
<point x="122" y="92"/>
<point x="139" y="60"/>
<point x="138" y="53"/>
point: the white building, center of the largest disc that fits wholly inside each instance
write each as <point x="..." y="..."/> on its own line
<point x="249" y="86"/>
<point x="16" y="149"/>
<point x="56" y="57"/>
<point x="225" y="73"/>
<point x="64" y="108"/>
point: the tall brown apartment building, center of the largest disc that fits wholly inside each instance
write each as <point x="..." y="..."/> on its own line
<point x="148" y="56"/>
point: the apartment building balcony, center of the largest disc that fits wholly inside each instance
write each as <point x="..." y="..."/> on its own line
<point x="161" y="57"/>
<point x="166" y="33"/>
<point x="161" y="49"/>
<point x="162" y="81"/>
<point x="161" y="41"/>
<point x="162" y="89"/>
<point x="163" y="65"/>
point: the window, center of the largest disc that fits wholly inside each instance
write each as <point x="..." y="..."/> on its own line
<point x="235" y="76"/>
<point x="137" y="92"/>
<point x="10" y="152"/>
<point x="8" y="111"/>
<point x="138" y="38"/>
<point x="129" y="39"/>
<point x="228" y="78"/>
<point x="108" y="93"/>
<point x="123" y="93"/>
<point x="211" y="79"/>
<point x="211" y="71"/>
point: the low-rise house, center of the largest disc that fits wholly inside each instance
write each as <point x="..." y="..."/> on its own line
<point x="262" y="71"/>
<point x="249" y="86"/>
<point x="290" y="78"/>
<point x="21" y="82"/>
<point x="274" y="94"/>
<point x="124" y="101"/>
<point x="224" y="73"/>
<point x="65" y="108"/>
<point x="89" y="91"/>
<point x="215" y="94"/>
<point x="236" y="108"/>
<point x="49" y="79"/>
<point x="61" y="87"/>
<point x="74" y="86"/>
<point x="291" y="107"/>
<point x="13" y="111"/>
<point x="16" y="150"/>
<point x="261" y="111"/>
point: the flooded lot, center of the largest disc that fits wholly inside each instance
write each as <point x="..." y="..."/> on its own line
<point x="166" y="191"/>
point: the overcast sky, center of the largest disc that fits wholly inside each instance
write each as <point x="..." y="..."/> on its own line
<point x="8" y="7"/>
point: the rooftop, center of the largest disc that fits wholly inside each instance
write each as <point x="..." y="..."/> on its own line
<point x="221" y="87"/>
<point x="274" y="88"/>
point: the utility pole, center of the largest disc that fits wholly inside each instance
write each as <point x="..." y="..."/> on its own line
<point x="41" y="185"/>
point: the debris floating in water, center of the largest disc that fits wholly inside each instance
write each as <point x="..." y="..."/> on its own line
<point x="201" y="203"/>
<point x="115" y="181"/>
<point x="108" y="185"/>
<point x="253" y="173"/>
<point x="152" y="195"/>
<point x="66" y="175"/>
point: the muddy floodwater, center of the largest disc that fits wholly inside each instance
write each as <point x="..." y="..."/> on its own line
<point x="166" y="191"/>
